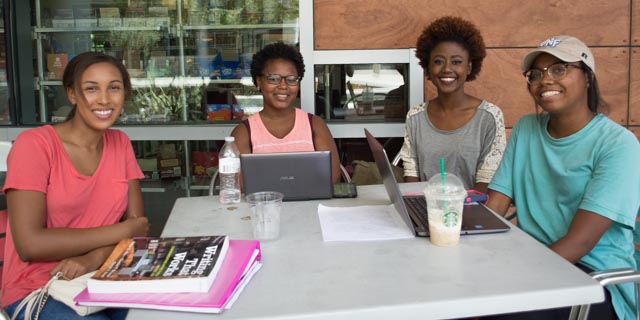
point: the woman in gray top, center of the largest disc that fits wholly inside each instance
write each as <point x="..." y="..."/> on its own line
<point x="466" y="131"/>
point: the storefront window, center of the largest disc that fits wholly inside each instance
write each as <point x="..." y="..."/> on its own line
<point x="362" y="92"/>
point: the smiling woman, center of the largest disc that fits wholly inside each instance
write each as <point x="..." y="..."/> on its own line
<point x="280" y="127"/>
<point x="72" y="188"/>
<point x="573" y="173"/>
<point x="464" y="130"/>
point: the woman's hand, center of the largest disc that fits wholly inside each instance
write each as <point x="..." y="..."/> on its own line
<point x="76" y="266"/>
<point x="137" y="226"/>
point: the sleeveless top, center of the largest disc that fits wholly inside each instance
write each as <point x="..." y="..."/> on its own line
<point x="300" y="138"/>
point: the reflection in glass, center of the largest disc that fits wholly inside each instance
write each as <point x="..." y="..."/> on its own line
<point x="189" y="60"/>
<point x="357" y="92"/>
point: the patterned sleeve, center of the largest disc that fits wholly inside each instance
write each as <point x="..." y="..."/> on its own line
<point x="492" y="159"/>
<point x="407" y="152"/>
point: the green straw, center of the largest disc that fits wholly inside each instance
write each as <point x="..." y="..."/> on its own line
<point x="442" y="170"/>
<point x="444" y="190"/>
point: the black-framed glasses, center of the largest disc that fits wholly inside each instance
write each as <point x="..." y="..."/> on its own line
<point x="276" y="78"/>
<point x="555" y="71"/>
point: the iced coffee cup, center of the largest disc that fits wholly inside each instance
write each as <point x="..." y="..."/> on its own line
<point x="445" y="201"/>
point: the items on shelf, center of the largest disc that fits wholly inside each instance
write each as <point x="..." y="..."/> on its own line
<point x="212" y="12"/>
<point x="158" y="17"/>
<point x="85" y="17"/>
<point x="169" y="72"/>
<point x="168" y="161"/>
<point x="205" y="163"/>
<point x="62" y="18"/>
<point x="110" y="17"/>
<point x="56" y="62"/>
<point x="134" y="17"/>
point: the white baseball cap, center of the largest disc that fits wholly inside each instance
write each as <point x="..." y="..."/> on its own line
<point x="563" y="47"/>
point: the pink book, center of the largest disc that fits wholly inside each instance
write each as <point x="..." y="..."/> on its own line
<point x="243" y="259"/>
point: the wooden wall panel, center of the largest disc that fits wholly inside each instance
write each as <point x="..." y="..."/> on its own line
<point x="502" y="83"/>
<point x="391" y="24"/>
<point x="636" y="131"/>
<point x="612" y="67"/>
<point x="635" y="23"/>
<point x="634" y="88"/>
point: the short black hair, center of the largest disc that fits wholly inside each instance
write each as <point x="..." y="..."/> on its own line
<point x="272" y="51"/>
<point x="452" y="29"/>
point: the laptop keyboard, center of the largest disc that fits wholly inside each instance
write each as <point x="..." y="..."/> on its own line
<point x="418" y="206"/>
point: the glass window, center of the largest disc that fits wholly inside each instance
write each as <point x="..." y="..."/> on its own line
<point x="189" y="59"/>
<point x="5" y="116"/>
<point x="362" y="92"/>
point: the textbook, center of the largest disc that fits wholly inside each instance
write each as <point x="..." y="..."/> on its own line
<point x="184" y="264"/>
<point x="243" y="260"/>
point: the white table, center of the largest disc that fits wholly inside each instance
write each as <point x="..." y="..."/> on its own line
<point x="306" y="278"/>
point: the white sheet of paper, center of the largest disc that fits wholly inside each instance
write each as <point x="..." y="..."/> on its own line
<point x="362" y="223"/>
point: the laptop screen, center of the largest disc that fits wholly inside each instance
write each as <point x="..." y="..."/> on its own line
<point x="382" y="162"/>
<point x="298" y="175"/>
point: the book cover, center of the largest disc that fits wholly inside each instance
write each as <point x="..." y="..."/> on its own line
<point x="187" y="264"/>
<point x="243" y="260"/>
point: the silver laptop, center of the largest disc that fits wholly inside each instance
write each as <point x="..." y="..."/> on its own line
<point x="476" y="218"/>
<point x="298" y="175"/>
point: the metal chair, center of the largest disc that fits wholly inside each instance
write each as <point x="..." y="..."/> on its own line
<point x="5" y="147"/>
<point x="396" y="159"/>
<point x="344" y="174"/>
<point x="608" y="277"/>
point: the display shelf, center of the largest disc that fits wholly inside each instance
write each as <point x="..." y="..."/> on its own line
<point x="218" y="131"/>
<point x="163" y="82"/>
<point x="96" y="29"/>
<point x="241" y="26"/>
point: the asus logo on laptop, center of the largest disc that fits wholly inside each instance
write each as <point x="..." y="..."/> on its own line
<point x="287" y="178"/>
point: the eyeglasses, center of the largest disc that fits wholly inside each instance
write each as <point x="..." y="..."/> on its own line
<point x="555" y="71"/>
<point x="276" y="78"/>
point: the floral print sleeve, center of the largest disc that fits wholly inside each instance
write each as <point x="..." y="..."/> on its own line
<point x="492" y="159"/>
<point x="407" y="152"/>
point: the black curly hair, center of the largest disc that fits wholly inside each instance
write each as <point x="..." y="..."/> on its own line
<point x="272" y="51"/>
<point x="456" y="30"/>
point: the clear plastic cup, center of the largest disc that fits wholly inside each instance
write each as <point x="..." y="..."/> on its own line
<point x="265" y="214"/>
<point x="445" y="202"/>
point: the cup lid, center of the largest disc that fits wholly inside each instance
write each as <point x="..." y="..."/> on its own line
<point x="450" y="185"/>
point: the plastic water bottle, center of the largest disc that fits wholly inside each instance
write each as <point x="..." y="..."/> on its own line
<point x="229" y="170"/>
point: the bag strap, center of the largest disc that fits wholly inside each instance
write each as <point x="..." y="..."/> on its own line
<point x="34" y="302"/>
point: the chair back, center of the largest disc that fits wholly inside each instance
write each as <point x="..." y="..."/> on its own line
<point x="5" y="147"/>
<point x="3" y="238"/>
<point x="636" y="240"/>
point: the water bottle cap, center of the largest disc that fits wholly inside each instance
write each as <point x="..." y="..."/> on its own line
<point x="229" y="139"/>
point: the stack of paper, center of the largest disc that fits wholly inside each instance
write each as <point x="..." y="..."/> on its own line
<point x="362" y="223"/>
<point x="243" y="260"/>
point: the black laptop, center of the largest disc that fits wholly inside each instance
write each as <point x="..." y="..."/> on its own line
<point x="297" y="175"/>
<point x="476" y="218"/>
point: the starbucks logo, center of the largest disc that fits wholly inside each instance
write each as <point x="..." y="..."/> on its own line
<point x="450" y="219"/>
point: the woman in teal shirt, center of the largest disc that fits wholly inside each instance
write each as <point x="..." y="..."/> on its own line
<point x="572" y="173"/>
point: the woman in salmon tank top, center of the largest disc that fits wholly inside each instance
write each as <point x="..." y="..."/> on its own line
<point x="277" y="70"/>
